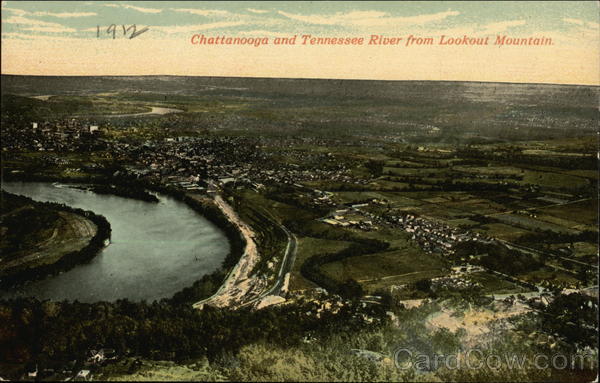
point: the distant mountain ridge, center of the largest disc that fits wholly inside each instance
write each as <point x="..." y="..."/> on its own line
<point x="579" y="95"/>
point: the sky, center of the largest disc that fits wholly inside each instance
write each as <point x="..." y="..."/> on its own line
<point x="73" y="38"/>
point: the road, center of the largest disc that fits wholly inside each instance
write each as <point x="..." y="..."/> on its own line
<point x="538" y="252"/>
<point x="287" y="263"/>
<point x="536" y="207"/>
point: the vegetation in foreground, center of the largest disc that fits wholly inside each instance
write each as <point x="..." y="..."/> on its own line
<point x="479" y="333"/>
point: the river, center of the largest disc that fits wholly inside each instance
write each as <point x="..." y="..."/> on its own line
<point x="155" y="250"/>
<point x="155" y="110"/>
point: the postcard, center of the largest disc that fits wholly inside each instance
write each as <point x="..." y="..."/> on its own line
<point x="299" y="191"/>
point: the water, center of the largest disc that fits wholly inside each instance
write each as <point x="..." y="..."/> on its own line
<point x="155" y="110"/>
<point x="155" y="250"/>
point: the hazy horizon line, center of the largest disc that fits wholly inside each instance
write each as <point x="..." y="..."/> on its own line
<point x="304" y="78"/>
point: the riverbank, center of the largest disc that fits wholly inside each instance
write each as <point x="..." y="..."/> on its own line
<point x="123" y="191"/>
<point x="96" y="184"/>
<point x="77" y="236"/>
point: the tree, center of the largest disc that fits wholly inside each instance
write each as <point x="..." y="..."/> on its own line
<point x="423" y="285"/>
<point x="573" y="317"/>
<point x="375" y="167"/>
<point x="351" y="289"/>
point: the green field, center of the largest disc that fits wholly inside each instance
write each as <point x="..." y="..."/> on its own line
<point x="374" y="271"/>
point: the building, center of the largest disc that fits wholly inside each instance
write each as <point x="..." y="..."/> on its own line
<point x="83" y="375"/>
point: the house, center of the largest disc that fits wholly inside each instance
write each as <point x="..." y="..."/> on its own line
<point x="101" y="355"/>
<point x="32" y="373"/>
<point x="212" y="188"/>
<point x="83" y="374"/>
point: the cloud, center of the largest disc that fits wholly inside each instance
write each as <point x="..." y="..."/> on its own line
<point x="579" y="36"/>
<point x="16" y="11"/>
<point x="50" y="29"/>
<point x="499" y="27"/>
<point x="456" y="31"/>
<point x="27" y="21"/>
<point x="7" y="35"/>
<point x="582" y="23"/>
<point x="337" y="19"/>
<point x="65" y="14"/>
<point x="480" y="30"/>
<point x="367" y="18"/>
<point x="140" y="9"/>
<point x="422" y="19"/>
<point x="34" y="37"/>
<point x="198" y="27"/>
<point x="21" y="12"/>
<point x="202" y="12"/>
<point x="573" y="21"/>
<point x="259" y="11"/>
<point x="260" y="33"/>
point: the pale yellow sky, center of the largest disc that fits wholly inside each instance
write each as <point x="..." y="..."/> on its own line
<point x="32" y="45"/>
<point x="567" y="65"/>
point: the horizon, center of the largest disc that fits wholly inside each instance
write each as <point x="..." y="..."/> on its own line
<point x="306" y="78"/>
<point x="70" y="38"/>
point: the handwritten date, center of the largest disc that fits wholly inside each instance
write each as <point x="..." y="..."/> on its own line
<point x="112" y="30"/>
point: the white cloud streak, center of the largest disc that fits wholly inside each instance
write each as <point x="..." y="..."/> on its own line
<point x="202" y="12"/>
<point x="261" y="33"/>
<point x="24" y="36"/>
<point x="133" y="7"/>
<point x="20" y="20"/>
<point x="257" y="11"/>
<point x="198" y="27"/>
<point x="582" y="23"/>
<point x="573" y="21"/>
<point x="61" y="29"/>
<point x="499" y="27"/>
<point x="64" y="15"/>
<point x="140" y="9"/>
<point x="368" y="18"/>
<point x="16" y="11"/>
